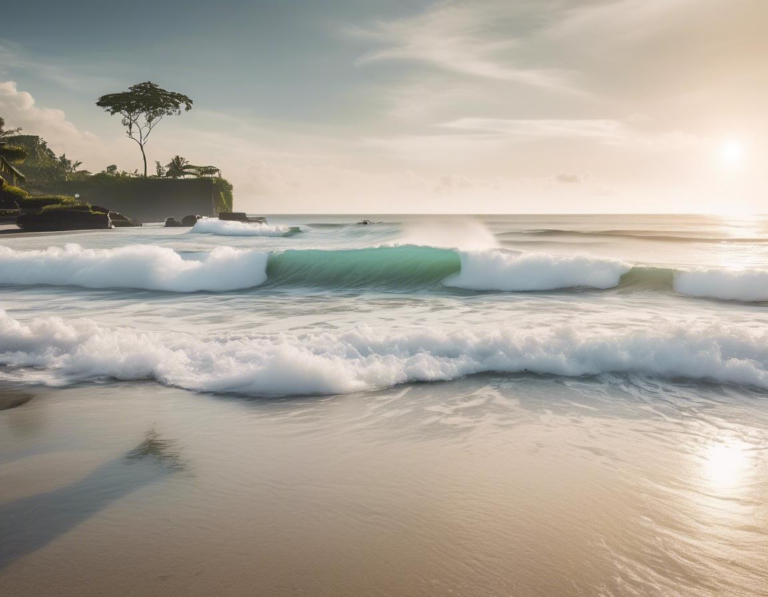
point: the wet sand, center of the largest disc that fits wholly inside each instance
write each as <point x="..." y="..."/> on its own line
<point x="486" y="486"/>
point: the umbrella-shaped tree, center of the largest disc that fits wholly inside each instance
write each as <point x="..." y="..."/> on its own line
<point x="142" y="107"/>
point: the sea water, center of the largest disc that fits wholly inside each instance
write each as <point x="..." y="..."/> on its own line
<point x="491" y="405"/>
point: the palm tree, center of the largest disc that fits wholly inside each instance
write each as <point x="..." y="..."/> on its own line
<point x="179" y="167"/>
<point x="68" y="165"/>
<point x="207" y="171"/>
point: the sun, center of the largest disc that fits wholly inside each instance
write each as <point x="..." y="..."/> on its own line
<point x="732" y="155"/>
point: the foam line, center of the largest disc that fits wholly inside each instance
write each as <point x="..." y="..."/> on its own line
<point x="69" y="351"/>
<point x="233" y="228"/>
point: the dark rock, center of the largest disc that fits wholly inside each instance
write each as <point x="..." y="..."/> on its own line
<point x="9" y="211"/>
<point x="240" y="216"/>
<point x="190" y="220"/>
<point x="121" y="221"/>
<point x="8" y="205"/>
<point x="172" y="223"/>
<point x="364" y="223"/>
<point x="64" y="219"/>
<point x="237" y="216"/>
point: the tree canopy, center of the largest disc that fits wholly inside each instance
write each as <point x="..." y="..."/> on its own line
<point x="142" y="107"/>
<point x="180" y="167"/>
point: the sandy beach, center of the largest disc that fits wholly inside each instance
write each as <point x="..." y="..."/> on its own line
<point x="487" y="486"/>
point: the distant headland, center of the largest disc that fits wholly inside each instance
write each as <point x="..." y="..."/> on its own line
<point x="37" y="183"/>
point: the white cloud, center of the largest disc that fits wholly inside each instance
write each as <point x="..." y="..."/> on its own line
<point x="634" y="131"/>
<point x="470" y="39"/>
<point x="19" y="109"/>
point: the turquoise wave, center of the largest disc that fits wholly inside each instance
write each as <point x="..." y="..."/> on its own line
<point x="405" y="267"/>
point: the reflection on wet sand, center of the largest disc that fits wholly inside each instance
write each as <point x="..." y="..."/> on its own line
<point x="163" y="452"/>
<point x="490" y="485"/>
<point x="30" y="523"/>
<point x="9" y="400"/>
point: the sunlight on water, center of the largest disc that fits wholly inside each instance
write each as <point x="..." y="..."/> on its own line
<point x="727" y="463"/>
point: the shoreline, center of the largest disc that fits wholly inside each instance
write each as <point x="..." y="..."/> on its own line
<point x="12" y="229"/>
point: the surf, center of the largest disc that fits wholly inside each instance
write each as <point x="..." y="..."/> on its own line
<point x="234" y="228"/>
<point x="55" y="351"/>
<point x="400" y="268"/>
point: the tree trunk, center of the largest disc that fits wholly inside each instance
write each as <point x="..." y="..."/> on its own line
<point x="144" y="155"/>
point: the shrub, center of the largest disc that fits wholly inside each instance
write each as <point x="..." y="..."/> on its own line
<point x="14" y="154"/>
<point x="8" y="192"/>
<point x="70" y="207"/>
<point x="42" y="201"/>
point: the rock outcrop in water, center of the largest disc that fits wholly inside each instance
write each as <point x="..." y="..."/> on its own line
<point x="186" y="222"/>
<point x="121" y="221"/>
<point x="241" y="216"/>
<point x="190" y="220"/>
<point x="72" y="218"/>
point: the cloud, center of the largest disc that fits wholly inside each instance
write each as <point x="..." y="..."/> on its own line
<point x="14" y="60"/>
<point x="690" y="64"/>
<point x="620" y="20"/>
<point x="470" y="39"/>
<point x="20" y="110"/>
<point x="634" y="131"/>
<point x="568" y="178"/>
<point x="542" y="128"/>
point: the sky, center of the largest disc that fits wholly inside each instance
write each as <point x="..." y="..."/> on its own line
<point x="412" y="106"/>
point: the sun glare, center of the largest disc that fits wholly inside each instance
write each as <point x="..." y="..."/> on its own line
<point x="732" y="155"/>
<point x="727" y="463"/>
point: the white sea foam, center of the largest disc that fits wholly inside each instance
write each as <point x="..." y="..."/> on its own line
<point x="448" y="232"/>
<point x="233" y="228"/>
<point x="139" y="266"/>
<point x="366" y="358"/>
<point x="734" y="285"/>
<point x="513" y="271"/>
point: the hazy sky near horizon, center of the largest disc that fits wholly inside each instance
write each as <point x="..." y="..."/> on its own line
<point x="367" y="106"/>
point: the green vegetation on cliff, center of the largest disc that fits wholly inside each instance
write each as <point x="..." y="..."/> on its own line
<point x="50" y="179"/>
<point x="11" y="193"/>
<point x="222" y="189"/>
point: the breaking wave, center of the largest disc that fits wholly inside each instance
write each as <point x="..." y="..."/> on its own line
<point x="512" y="271"/>
<point x="733" y="285"/>
<point x="138" y="266"/>
<point x="234" y="228"/>
<point x="400" y="268"/>
<point x="56" y="351"/>
<point x="404" y="267"/>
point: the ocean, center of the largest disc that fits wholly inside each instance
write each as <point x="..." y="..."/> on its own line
<point x="425" y="405"/>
